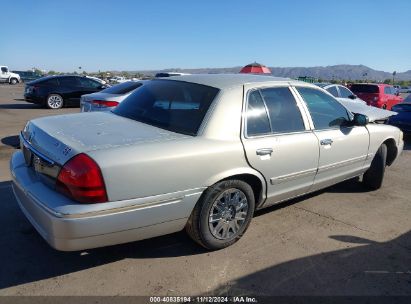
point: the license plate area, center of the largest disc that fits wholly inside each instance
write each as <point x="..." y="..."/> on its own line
<point x="40" y="165"/>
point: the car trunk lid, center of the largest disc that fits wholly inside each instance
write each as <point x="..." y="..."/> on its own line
<point x="59" y="138"/>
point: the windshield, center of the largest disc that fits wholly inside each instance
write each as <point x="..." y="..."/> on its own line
<point x="172" y="105"/>
<point x="364" y="88"/>
<point x="122" y="88"/>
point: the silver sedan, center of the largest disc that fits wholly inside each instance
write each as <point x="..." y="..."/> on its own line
<point x="108" y="99"/>
<point x="200" y="152"/>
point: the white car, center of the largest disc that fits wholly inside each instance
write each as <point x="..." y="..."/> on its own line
<point x="355" y="104"/>
<point x="341" y="93"/>
<point x="7" y="76"/>
<point x="118" y="79"/>
<point x="97" y="79"/>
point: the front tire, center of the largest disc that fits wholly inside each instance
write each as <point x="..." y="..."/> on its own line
<point x="54" y="101"/>
<point x="374" y="176"/>
<point x="13" y="81"/>
<point x="222" y="215"/>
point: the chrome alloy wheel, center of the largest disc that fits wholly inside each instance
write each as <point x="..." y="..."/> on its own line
<point x="55" y="101"/>
<point x="228" y="214"/>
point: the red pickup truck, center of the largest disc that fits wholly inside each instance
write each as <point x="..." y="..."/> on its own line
<point x="378" y="95"/>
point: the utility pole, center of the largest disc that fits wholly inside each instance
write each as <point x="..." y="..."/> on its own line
<point x="393" y="76"/>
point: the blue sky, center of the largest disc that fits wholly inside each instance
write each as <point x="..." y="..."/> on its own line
<point x="140" y="35"/>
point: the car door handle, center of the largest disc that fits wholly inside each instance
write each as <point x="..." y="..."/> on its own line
<point x="326" y="142"/>
<point x="264" y="151"/>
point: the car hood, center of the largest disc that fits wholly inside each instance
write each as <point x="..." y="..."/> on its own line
<point x="15" y="75"/>
<point x="373" y="113"/>
<point x="63" y="136"/>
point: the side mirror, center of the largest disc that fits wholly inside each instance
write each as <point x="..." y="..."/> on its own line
<point x="352" y="96"/>
<point x="397" y="93"/>
<point x="360" y="120"/>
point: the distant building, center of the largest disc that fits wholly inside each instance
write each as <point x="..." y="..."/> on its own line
<point x="307" y="79"/>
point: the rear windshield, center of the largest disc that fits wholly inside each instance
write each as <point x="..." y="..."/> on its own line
<point x="172" y="105"/>
<point x="364" y="88"/>
<point x="122" y="88"/>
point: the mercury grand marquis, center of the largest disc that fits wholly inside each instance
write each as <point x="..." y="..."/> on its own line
<point x="200" y="152"/>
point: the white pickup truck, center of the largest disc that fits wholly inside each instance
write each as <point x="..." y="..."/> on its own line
<point x="7" y="76"/>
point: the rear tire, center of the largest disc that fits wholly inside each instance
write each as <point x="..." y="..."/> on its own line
<point x="374" y="176"/>
<point x="222" y="215"/>
<point x="54" y="101"/>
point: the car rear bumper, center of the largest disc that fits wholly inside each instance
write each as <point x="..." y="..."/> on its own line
<point x="108" y="224"/>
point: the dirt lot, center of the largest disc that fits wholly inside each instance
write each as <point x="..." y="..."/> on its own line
<point x="340" y="241"/>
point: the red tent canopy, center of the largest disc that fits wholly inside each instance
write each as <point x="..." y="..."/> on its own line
<point x="255" y="68"/>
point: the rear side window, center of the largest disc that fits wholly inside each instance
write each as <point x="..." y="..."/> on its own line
<point x="344" y="92"/>
<point x="89" y="83"/>
<point x="50" y="82"/>
<point x="325" y="111"/>
<point x="285" y="116"/>
<point x="122" y="88"/>
<point x="389" y="90"/>
<point x="257" y="118"/>
<point x="69" y="82"/>
<point x="172" y="105"/>
<point x="365" y="88"/>
<point x="333" y="91"/>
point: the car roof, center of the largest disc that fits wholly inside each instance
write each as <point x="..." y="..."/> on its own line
<point x="374" y="84"/>
<point x="225" y="81"/>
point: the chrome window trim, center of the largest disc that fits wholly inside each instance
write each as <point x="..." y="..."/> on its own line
<point x="273" y="134"/>
<point x="308" y="111"/>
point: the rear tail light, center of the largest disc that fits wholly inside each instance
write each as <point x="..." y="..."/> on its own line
<point x="105" y="103"/>
<point x="81" y="179"/>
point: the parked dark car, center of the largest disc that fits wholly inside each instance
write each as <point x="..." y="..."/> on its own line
<point x="27" y="76"/>
<point x="55" y="92"/>
<point x="403" y="119"/>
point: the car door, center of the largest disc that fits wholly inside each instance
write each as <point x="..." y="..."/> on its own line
<point x="278" y="142"/>
<point x="3" y="74"/>
<point x="89" y="86"/>
<point x="343" y="147"/>
<point x="70" y="89"/>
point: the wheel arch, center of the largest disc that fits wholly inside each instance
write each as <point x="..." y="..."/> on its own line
<point x="254" y="179"/>
<point x="392" y="150"/>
